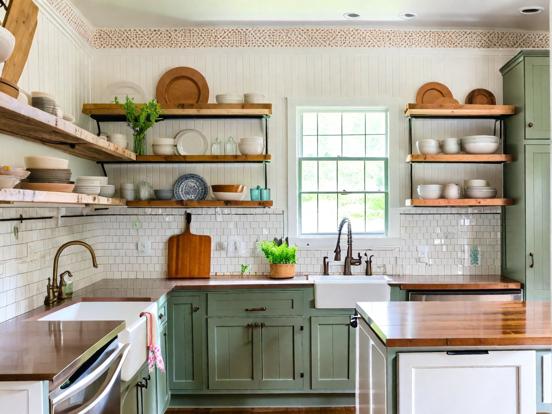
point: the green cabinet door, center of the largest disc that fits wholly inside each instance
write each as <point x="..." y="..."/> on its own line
<point x="537" y="95"/>
<point x="163" y="394"/>
<point x="232" y="353"/>
<point x="281" y="353"/>
<point x="537" y="165"/>
<point x="186" y="343"/>
<point x="129" y="401"/>
<point x="148" y="388"/>
<point x="332" y="353"/>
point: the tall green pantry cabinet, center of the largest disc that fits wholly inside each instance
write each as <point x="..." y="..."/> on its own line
<point x="526" y="241"/>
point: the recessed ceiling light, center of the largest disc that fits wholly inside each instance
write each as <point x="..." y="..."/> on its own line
<point x="408" y="15"/>
<point x="531" y="10"/>
<point x="351" y="15"/>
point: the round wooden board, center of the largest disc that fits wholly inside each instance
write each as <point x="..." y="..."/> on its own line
<point x="431" y="92"/>
<point x="481" y="97"/>
<point x="182" y="85"/>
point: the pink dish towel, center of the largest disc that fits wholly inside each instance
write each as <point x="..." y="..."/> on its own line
<point x="154" y="352"/>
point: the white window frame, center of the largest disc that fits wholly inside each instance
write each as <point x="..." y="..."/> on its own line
<point x="361" y="241"/>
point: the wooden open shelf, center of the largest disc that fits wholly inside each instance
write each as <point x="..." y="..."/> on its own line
<point x="114" y="112"/>
<point x="198" y="204"/>
<point x="459" y="111"/>
<point x="11" y="196"/>
<point x="203" y="158"/>
<point x="459" y="158"/>
<point x="32" y="124"/>
<point x="460" y="202"/>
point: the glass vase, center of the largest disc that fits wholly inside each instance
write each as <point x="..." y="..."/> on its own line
<point x="140" y="143"/>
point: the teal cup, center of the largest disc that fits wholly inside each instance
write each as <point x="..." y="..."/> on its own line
<point x="255" y="193"/>
<point x="265" y="194"/>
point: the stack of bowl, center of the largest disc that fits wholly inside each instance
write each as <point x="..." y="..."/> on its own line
<point x="479" y="189"/>
<point x="428" y="146"/>
<point x="91" y="185"/>
<point x="480" y="144"/>
<point x="46" y="103"/>
<point x="163" y="146"/>
<point x="229" y="98"/>
<point x="254" y="98"/>
<point x="48" y="174"/>
<point x="229" y="192"/>
<point x="430" y="191"/>
<point x="251" y="145"/>
<point x="450" y="145"/>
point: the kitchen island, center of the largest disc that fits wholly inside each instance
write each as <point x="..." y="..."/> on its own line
<point x="454" y="357"/>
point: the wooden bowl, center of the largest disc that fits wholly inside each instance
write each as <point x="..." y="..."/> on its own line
<point x="227" y="188"/>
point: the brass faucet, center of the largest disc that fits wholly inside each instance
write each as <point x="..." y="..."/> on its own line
<point x="349" y="260"/>
<point x="54" y="290"/>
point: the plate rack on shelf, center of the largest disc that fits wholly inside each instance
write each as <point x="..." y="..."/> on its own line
<point x="114" y="113"/>
<point x="470" y="112"/>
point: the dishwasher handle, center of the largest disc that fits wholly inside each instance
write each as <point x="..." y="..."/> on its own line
<point x="113" y="363"/>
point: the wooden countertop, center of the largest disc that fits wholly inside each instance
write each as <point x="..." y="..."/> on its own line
<point x="455" y="282"/>
<point x="459" y="324"/>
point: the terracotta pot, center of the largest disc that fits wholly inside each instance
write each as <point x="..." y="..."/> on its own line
<point x="282" y="271"/>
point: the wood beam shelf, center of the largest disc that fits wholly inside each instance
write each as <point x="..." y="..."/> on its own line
<point x="105" y="112"/>
<point x="14" y="195"/>
<point x="460" y="202"/>
<point x="459" y="111"/>
<point x="198" y="204"/>
<point x="459" y="158"/>
<point x="32" y="124"/>
<point x="197" y="159"/>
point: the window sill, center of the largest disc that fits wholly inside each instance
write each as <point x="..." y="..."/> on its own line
<point x="359" y="242"/>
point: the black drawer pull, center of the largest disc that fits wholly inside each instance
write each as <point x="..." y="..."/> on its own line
<point x="353" y="322"/>
<point x="532" y="265"/>
<point x="473" y="352"/>
<point x="260" y="309"/>
<point x="530" y="125"/>
<point x="195" y="308"/>
<point x="161" y="316"/>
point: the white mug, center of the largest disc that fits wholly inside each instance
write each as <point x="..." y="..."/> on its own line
<point x="452" y="191"/>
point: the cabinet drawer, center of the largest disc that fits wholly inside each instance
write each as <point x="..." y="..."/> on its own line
<point x="258" y="303"/>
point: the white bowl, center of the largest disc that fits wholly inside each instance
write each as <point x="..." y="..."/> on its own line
<point x="107" y="190"/>
<point x="163" y="149"/>
<point x="87" y="189"/>
<point x="229" y="98"/>
<point x="7" y="43"/>
<point x="229" y="196"/>
<point x="17" y="172"/>
<point x="8" y="181"/>
<point x="430" y="191"/>
<point x="428" y="146"/>
<point x="164" y="141"/>
<point x="252" y="97"/>
<point x="477" y="183"/>
<point x="92" y="180"/>
<point x="478" y="192"/>
<point x="480" y="147"/>
<point x="49" y="163"/>
<point x="247" y="148"/>
<point x="480" y="138"/>
<point x="252" y="139"/>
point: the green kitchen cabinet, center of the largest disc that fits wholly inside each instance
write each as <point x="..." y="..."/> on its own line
<point x="255" y="353"/>
<point x="332" y="353"/>
<point x="187" y="343"/>
<point x="163" y="394"/>
<point x="526" y="224"/>
<point x="139" y="395"/>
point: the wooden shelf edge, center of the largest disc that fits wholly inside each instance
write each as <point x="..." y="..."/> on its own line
<point x="203" y="158"/>
<point x="459" y="158"/>
<point x="460" y="202"/>
<point x="15" y="195"/>
<point x="198" y="204"/>
<point x="213" y="109"/>
<point x="461" y="110"/>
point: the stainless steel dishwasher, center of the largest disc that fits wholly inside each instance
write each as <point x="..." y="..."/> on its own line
<point x="94" y="388"/>
<point x="466" y="296"/>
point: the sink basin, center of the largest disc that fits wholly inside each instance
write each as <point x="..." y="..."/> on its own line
<point x="339" y="292"/>
<point x="133" y="334"/>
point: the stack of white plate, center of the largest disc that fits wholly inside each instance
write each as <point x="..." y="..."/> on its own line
<point x="46" y="103"/>
<point x="480" y="144"/>
<point x="479" y="189"/>
<point x="91" y="185"/>
<point x="229" y="98"/>
<point x="254" y="98"/>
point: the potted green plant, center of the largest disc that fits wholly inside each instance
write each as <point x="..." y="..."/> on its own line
<point x="281" y="256"/>
<point x="140" y="119"/>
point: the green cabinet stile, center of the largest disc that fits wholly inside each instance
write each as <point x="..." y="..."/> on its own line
<point x="163" y="395"/>
<point x="186" y="327"/>
<point x="332" y="353"/>
<point x="526" y="224"/>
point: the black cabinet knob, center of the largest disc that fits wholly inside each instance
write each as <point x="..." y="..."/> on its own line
<point x="530" y="125"/>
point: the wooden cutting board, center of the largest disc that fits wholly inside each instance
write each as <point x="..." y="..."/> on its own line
<point x="189" y="255"/>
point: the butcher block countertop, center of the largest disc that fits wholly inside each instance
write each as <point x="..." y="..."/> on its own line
<point x="459" y="324"/>
<point x="455" y="282"/>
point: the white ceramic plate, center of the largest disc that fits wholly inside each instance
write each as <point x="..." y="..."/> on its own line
<point x="190" y="142"/>
<point x="123" y="89"/>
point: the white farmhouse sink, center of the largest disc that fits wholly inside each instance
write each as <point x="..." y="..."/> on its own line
<point x="134" y="333"/>
<point x="339" y="292"/>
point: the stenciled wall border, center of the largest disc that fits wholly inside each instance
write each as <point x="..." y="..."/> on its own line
<point x="294" y="37"/>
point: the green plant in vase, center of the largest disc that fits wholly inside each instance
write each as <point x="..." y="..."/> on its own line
<point x="140" y="119"/>
<point x="281" y="256"/>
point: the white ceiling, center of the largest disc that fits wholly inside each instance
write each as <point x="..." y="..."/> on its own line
<point x="431" y="13"/>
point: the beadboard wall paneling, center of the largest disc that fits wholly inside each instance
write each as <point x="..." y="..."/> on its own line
<point x="59" y="63"/>
<point x="306" y="73"/>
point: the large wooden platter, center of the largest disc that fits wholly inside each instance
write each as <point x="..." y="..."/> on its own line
<point x="182" y="85"/>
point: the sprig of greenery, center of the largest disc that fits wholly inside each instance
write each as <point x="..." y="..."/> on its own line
<point x="278" y="254"/>
<point x="140" y="120"/>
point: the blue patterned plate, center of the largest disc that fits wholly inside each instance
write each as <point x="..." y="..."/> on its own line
<point x="191" y="187"/>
